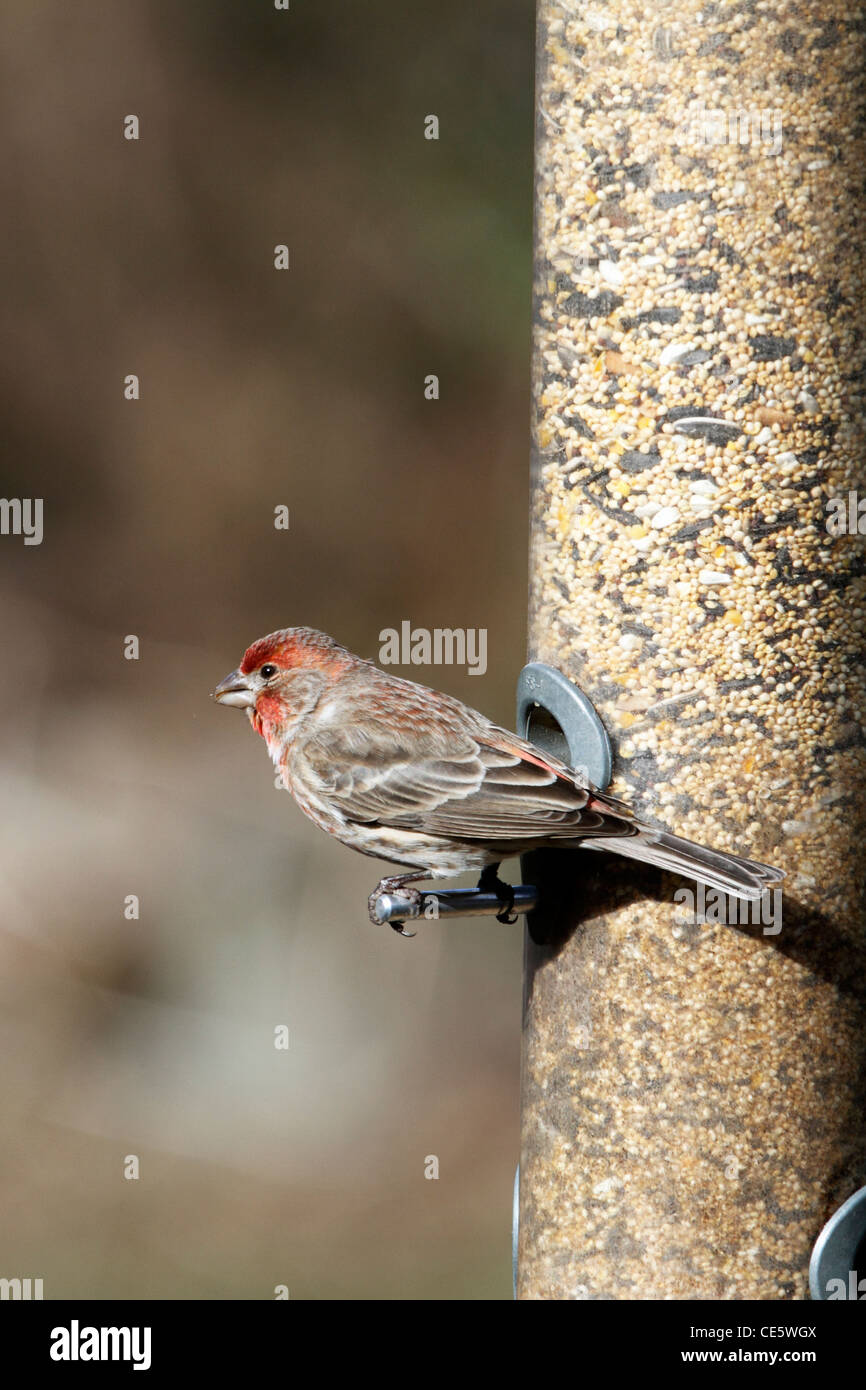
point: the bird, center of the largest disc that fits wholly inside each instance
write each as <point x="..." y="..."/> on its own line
<point x="409" y="775"/>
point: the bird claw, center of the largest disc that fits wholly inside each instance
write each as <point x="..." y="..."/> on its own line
<point x="400" y="929"/>
<point x="490" y="882"/>
<point x="397" y="884"/>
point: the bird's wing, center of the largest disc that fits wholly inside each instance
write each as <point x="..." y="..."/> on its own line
<point x="447" y="776"/>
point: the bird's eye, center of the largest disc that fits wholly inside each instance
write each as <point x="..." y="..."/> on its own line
<point x="267" y="671"/>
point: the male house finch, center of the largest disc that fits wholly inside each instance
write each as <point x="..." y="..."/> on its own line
<point x="406" y="774"/>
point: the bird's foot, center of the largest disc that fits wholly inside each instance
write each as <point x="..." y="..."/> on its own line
<point x="397" y="883"/>
<point x="490" y="882"/>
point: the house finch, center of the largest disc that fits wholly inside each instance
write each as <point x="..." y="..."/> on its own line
<point x="406" y="774"/>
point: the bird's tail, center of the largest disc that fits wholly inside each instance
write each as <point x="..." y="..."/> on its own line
<point x="745" y="878"/>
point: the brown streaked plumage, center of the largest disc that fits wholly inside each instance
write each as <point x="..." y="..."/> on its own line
<point x="406" y="774"/>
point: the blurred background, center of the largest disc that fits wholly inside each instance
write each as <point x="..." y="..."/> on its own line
<point x="155" y="1037"/>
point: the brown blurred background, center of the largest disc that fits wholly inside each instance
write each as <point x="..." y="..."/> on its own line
<point x="155" y="1037"/>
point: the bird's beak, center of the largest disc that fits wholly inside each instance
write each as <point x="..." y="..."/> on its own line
<point x="234" y="690"/>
